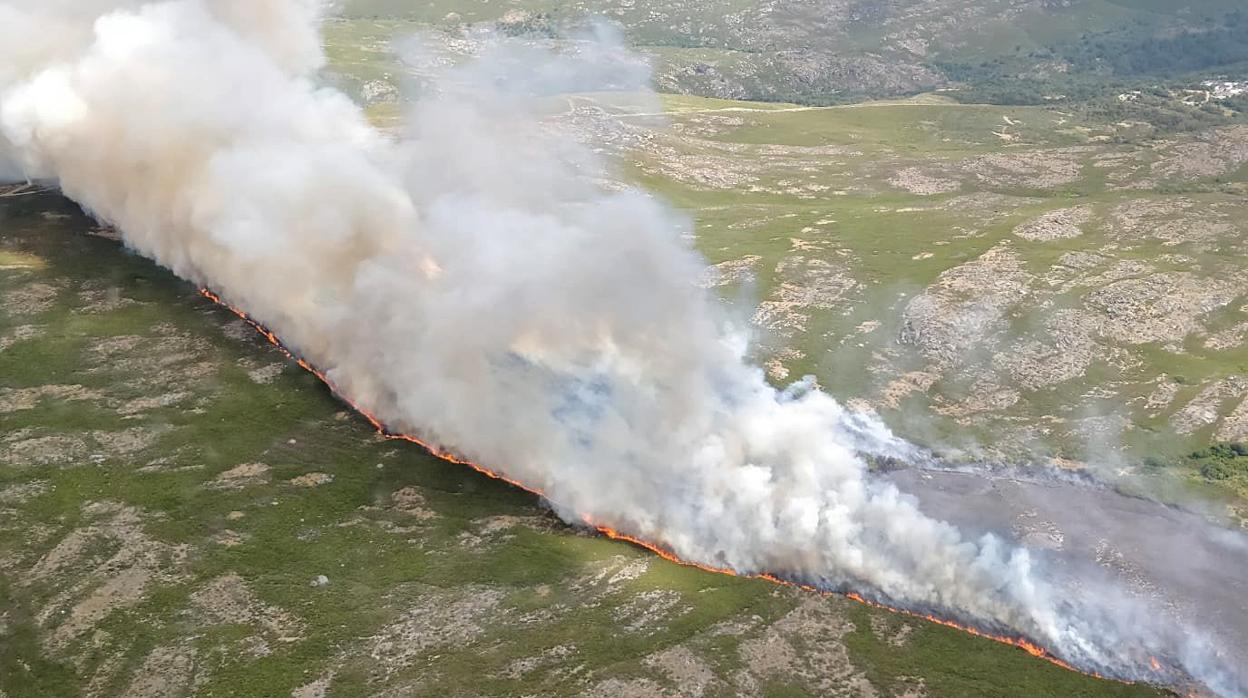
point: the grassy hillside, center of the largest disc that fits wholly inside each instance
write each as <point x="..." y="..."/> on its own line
<point x="1011" y="280"/>
<point x="1057" y="280"/>
<point x="1017" y="51"/>
<point x="184" y="512"/>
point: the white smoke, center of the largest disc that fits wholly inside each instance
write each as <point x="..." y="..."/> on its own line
<point x="475" y="285"/>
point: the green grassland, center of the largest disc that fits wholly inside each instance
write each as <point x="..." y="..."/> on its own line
<point x="139" y="558"/>
<point x="1081" y="52"/>
<point x="893" y="243"/>
<point x="170" y="488"/>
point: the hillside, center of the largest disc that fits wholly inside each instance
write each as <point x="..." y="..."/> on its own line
<point x="185" y="512"/>
<point x="1014" y="229"/>
<point x="999" y="281"/>
<point x="828" y="52"/>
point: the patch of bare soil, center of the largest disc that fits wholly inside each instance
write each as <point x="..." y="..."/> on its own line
<point x="692" y="675"/>
<point x="733" y="271"/>
<point x="442" y="617"/>
<point x="1055" y="225"/>
<point x="610" y="575"/>
<point x="260" y="372"/>
<point x="26" y="448"/>
<point x="239" y="331"/>
<point x="1161" y="397"/>
<point x="893" y="631"/>
<point x="1173" y="221"/>
<point x="1211" y="154"/>
<point x="806" y="284"/>
<point x="711" y="166"/>
<point x="18" y="399"/>
<point x="107" y="565"/>
<point x="98" y="297"/>
<point x="805" y="645"/>
<point x="126" y="442"/>
<point x="144" y="404"/>
<point x="905" y="385"/>
<point x="1138" y="217"/>
<point x="914" y="689"/>
<point x="627" y="688"/>
<point x="1161" y="307"/>
<point x="166" y="363"/>
<point x="916" y="181"/>
<point x="1201" y="232"/>
<point x="707" y="125"/>
<point x="31" y="299"/>
<point x="956" y="317"/>
<point x="312" y="480"/>
<point x="986" y="397"/>
<point x="410" y="501"/>
<point x="228" y="600"/>
<point x="23" y="492"/>
<point x="1235" y="426"/>
<point x="1205" y="409"/>
<point x="1033" y="170"/>
<point x="1065" y="279"/>
<point x="647" y="612"/>
<point x="242" y="476"/>
<point x="527" y="665"/>
<point x="1080" y="261"/>
<point x="493" y="530"/>
<point x="167" y="672"/>
<point x="1229" y="338"/>
<point x="316" y="689"/>
<point x="229" y="538"/>
<point x="775" y="365"/>
<point x="1065" y="354"/>
<point x="21" y="333"/>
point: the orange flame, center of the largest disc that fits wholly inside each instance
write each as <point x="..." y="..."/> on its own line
<point x="613" y="534"/>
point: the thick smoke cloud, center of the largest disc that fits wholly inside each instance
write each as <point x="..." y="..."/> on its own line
<point x="475" y="285"/>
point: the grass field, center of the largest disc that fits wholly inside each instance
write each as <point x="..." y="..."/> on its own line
<point x="839" y="53"/>
<point x="1012" y="282"/>
<point x="899" y="201"/>
<point x="171" y="490"/>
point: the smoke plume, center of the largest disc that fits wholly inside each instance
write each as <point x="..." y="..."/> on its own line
<point x="475" y="284"/>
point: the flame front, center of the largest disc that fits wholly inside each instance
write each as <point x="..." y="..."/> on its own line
<point x="488" y="256"/>
<point x="1020" y="642"/>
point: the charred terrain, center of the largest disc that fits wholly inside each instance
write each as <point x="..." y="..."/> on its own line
<point x="1052" y="280"/>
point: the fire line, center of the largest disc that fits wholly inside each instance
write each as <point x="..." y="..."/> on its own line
<point x="1021" y="643"/>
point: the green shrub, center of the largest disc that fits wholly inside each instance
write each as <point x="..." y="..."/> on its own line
<point x="1222" y="461"/>
<point x="1218" y="470"/>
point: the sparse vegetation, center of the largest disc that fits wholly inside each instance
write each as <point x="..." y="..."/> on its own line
<point x="1037" y="275"/>
<point x="191" y="561"/>
<point x="1020" y="54"/>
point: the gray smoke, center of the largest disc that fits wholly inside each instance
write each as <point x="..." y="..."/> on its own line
<point x="477" y="285"/>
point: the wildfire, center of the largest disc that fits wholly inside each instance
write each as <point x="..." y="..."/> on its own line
<point x="611" y="533"/>
<point x="1019" y="642"/>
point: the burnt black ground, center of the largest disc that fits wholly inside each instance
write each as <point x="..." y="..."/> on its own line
<point x="1190" y="573"/>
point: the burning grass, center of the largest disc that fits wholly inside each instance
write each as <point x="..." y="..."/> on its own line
<point x="288" y="535"/>
<point x="1164" y="674"/>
